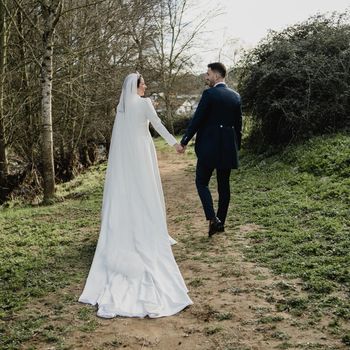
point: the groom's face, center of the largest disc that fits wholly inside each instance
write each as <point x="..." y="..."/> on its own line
<point x="210" y="77"/>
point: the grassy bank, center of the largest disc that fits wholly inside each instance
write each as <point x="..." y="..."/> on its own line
<point x="45" y="249"/>
<point x="300" y="199"/>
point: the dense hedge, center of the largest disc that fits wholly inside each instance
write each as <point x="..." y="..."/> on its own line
<point x="296" y="83"/>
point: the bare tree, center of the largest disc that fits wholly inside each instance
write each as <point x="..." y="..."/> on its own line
<point x="139" y="21"/>
<point x="97" y="42"/>
<point x="94" y="50"/>
<point x="50" y="12"/>
<point x="175" y="37"/>
<point x="3" y="57"/>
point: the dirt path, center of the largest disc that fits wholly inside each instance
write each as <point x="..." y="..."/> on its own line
<point x="234" y="300"/>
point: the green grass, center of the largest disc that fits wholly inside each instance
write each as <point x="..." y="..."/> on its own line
<point x="45" y="249"/>
<point x="210" y="330"/>
<point x="301" y="199"/>
<point x="224" y="316"/>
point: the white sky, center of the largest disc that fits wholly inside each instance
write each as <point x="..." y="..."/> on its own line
<point x="250" y="20"/>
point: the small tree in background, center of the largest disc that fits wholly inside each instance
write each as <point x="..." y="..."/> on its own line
<point x="175" y="37"/>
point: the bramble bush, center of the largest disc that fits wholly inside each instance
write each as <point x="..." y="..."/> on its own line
<point x="296" y="83"/>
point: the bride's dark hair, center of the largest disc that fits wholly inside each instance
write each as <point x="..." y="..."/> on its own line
<point x="139" y="76"/>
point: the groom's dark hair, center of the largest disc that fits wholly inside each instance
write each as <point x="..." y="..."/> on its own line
<point x="218" y="67"/>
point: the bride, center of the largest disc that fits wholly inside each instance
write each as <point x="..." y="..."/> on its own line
<point x="134" y="272"/>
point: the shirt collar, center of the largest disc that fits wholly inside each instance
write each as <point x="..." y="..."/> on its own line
<point x="220" y="83"/>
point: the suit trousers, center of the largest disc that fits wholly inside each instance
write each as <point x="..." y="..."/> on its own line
<point x="203" y="175"/>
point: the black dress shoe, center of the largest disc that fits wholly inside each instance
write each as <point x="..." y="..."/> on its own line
<point x="215" y="226"/>
<point x="221" y="227"/>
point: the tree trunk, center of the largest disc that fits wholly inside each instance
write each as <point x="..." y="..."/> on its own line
<point x="84" y="155"/>
<point x="27" y="104"/>
<point x="169" y="114"/>
<point x="50" y="15"/>
<point x="46" y="109"/>
<point x="3" y="150"/>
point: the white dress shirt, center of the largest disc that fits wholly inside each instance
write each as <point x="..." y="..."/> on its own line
<point x="220" y="82"/>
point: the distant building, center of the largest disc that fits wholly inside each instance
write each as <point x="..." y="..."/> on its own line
<point x="186" y="104"/>
<point x="187" y="107"/>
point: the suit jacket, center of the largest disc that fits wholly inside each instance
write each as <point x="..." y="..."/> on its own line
<point x="218" y="124"/>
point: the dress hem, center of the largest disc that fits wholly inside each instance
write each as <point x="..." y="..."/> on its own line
<point x="125" y="314"/>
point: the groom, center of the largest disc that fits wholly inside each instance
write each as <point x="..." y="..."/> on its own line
<point x="218" y="124"/>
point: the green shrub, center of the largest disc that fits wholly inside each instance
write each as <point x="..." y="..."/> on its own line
<point x="296" y="83"/>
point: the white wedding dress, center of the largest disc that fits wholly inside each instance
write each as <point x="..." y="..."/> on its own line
<point x="134" y="272"/>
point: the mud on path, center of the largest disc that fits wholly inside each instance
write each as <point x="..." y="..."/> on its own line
<point x="232" y="297"/>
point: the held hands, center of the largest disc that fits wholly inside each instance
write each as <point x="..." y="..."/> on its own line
<point x="180" y="148"/>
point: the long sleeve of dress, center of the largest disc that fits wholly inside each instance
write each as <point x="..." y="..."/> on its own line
<point x="156" y="122"/>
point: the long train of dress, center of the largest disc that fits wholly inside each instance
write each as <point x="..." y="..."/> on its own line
<point x="134" y="272"/>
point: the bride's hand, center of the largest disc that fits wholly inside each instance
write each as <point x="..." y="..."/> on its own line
<point x="179" y="148"/>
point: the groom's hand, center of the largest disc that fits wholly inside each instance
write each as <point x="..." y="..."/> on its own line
<point x="179" y="148"/>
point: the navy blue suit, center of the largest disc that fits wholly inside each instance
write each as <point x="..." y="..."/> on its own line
<point x="218" y="124"/>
